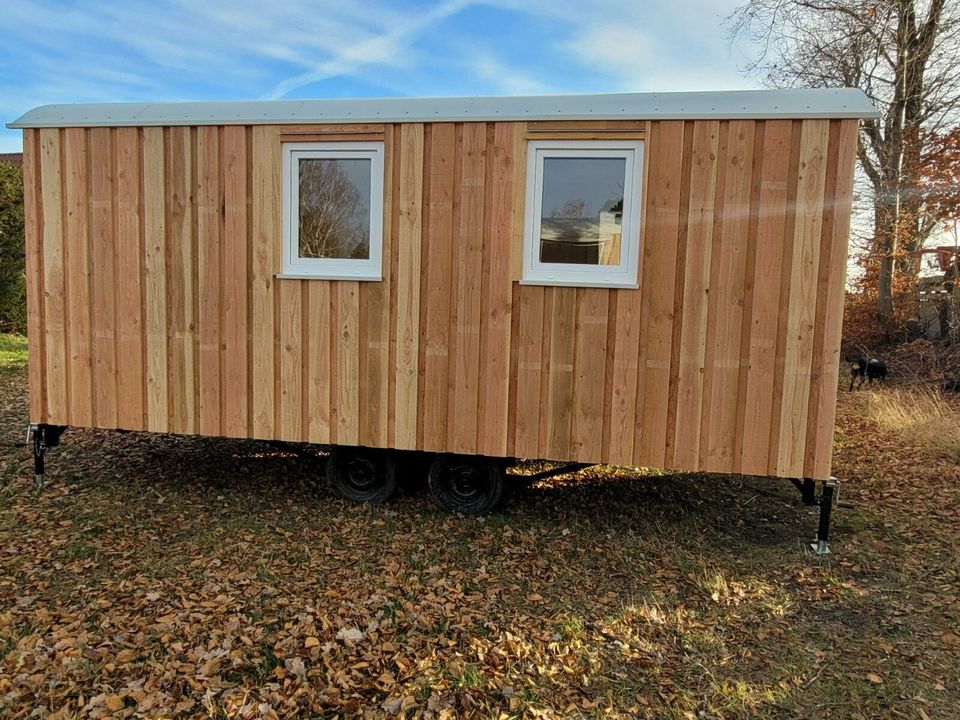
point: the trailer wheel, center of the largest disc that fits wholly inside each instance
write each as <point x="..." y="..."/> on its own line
<point x="465" y="484"/>
<point x="361" y="474"/>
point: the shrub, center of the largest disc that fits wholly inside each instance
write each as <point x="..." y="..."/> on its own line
<point x="13" y="293"/>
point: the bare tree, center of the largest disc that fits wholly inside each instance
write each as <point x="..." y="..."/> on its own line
<point x="904" y="54"/>
<point x="572" y="208"/>
<point x="333" y="215"/>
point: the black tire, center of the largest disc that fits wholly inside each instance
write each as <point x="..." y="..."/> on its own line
<point x="466" y="484"/>
<point x="362" y="474"/>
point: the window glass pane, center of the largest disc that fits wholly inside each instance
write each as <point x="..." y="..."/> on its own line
<point x="335" y="208"/>
<point x="582" y="210"/>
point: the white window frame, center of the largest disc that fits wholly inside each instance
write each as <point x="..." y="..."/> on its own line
<point x="298" y="267"/>
<point x="623" y="275"/>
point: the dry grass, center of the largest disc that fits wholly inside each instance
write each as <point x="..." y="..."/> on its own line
<point x="921" y="417"/>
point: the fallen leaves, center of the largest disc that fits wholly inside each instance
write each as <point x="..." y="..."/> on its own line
<point x="350" y="634"/>
<point x="250" y="593"/>
<point x="950" y="638"/>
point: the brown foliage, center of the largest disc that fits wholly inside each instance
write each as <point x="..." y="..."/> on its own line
<point x="940" y="175"/>
<point x="863" y="329"/>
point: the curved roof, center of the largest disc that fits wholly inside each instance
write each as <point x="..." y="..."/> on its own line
<point x="755" y="104"/>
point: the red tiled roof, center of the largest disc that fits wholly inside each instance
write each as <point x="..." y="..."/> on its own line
<point x="11" y="158"/>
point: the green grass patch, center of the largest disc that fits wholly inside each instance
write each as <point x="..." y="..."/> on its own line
<point x="13" y="352"/>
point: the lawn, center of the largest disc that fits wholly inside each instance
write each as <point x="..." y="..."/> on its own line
<point x="160" y="576"/>
<point x="13" y="353"/>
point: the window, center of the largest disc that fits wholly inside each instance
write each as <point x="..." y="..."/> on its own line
<point x="333" y="210"/>
<point x="583" y="213"/>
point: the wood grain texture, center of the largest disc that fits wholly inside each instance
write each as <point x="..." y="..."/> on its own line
<point x="530" y="360"/>
<point x="318" y="337"/>
<point x="234" y="252"/>
<point x="33" y="252"/>
<point x="54" y="289"/>
<point x="625" y="357"/>
<point x="265" y="172"/>
<point x="758" y="393"/>
<point x="835" y="231"/>
<point x="727" y="289"/>
<point x="207" y="193"/>
<point x="76" y="243"/>
<point x="129" y="248"/>
<point x="181" y="286"/>
<point x="501" y="180"/>
<point x="802" y="293"/>
<point x="103" y="277"/>
<point x="589" y="375"/>
<point x="696" y="294"/>
<point x="407" y="311"/>
<point x="468" y="239"/>
<point x="375" y="298"/>
<point x="659" y="262"/>
<point x="437" y="254"/>
<point x="155" y="279"/>
<point x="153" y="301"/>
<point x="347" y="356"/>
<point x="558" y="411"/>
<point x="291" y="354"/>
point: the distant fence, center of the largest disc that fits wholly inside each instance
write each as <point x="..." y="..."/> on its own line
<point x="938" y="311"/>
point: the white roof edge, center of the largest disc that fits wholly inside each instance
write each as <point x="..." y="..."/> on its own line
<point x="752" y="104"/>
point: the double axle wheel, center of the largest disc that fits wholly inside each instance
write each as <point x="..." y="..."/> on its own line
<point x="362" y="474"/>
<point x="465" y="484"/>
<point x="459" y="483"/>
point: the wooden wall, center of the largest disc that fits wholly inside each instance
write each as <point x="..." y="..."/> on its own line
<point x="154" y="303"/>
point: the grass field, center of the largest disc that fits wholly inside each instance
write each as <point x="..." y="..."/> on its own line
<point x="160" y="576"/>
<point x="13" y="353"/>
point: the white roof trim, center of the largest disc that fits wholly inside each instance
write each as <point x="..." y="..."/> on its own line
<point x="753" y="104"/>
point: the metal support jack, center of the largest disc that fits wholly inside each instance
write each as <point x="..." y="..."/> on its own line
<point x="820" y="545"/>
<point x="41" y="437"/>
<point x="39" y="451"/>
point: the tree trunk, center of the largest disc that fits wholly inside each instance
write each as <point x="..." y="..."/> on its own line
<point x="885" y="250"/>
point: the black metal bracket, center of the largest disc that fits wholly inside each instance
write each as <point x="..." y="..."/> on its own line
<point x="808" y="490"/>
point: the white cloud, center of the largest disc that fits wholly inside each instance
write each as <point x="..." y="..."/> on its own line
<point x="617" y="49"/>
<point x="506" y="79"/>
<point x="390" y="48"/>
<point x="657" y="45"/>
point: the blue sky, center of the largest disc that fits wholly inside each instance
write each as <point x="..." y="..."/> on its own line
<point x="129" y="50"/>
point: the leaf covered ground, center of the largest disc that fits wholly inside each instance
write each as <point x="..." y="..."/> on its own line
<point x="162" y="576"/>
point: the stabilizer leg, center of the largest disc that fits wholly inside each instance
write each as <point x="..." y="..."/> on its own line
<point x="39" y="446"/>
<point x="821" y="546"/>
<point x="41" y="437"/>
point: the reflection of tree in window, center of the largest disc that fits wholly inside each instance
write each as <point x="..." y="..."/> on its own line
<point x="585" y="197"/>
<point x="334" y="208"/>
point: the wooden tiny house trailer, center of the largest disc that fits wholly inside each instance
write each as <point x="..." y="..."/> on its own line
<point x="703" y="335"/>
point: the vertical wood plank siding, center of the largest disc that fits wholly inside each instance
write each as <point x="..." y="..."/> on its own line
<point x="153" y="301"/>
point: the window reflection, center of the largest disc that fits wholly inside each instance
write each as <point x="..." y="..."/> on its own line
<point x="582" y="210"/>
<point x="334" y="213"/>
